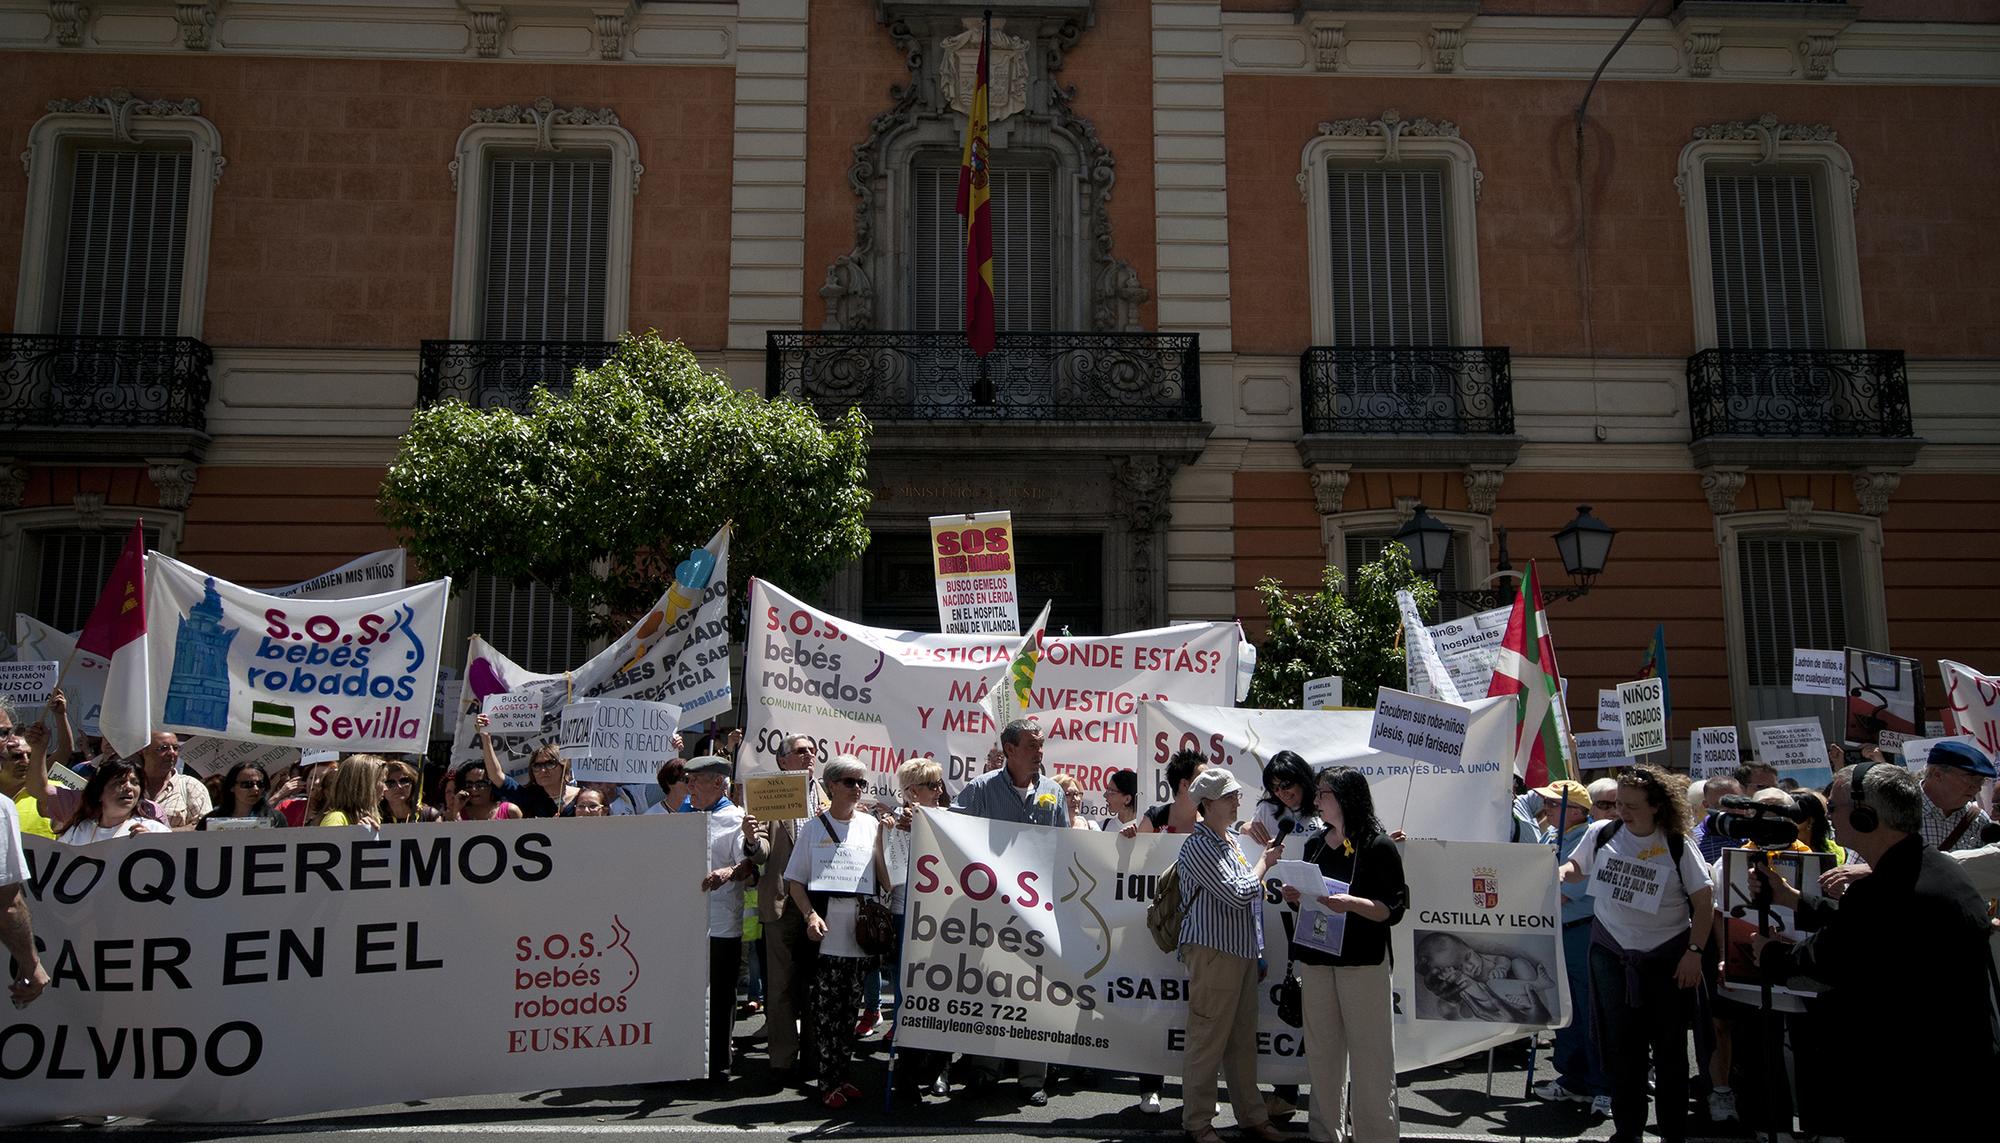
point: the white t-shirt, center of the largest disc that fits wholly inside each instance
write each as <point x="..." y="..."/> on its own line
<point x="725" y="848"/>
<point x="89" y="832"/>
<point x="13" y="857"/>
<point x="814" y="852"/>
<point x="1633" y="887"/>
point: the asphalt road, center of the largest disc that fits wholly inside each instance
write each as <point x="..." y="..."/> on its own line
<point x="1449" y="1102"/>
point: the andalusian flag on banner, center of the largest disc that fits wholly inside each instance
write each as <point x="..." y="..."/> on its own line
<point x="1527" y="668"/>
<point x="973" y="206"/>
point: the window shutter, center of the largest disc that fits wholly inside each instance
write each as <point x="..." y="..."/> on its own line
<point x="1391" y="284"/>
<point x="126" y="244"/>
<point x="1763" y="247"/>
<point x="1023" y="249"/>
<point x="528" y="624"/>
<point x="74" y="566"/>
<point x="548" y="238"/>
<point x="1793" y="593"/>
<point x="1366" y="549"/>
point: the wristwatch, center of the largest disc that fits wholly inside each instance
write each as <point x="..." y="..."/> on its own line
<point x="1695" y="948"/>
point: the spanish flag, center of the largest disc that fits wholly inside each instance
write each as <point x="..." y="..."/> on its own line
<point x="973" y="205"/>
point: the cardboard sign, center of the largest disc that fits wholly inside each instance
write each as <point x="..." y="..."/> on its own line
<point x="1639" y="884"/>
<point x="25" y="685"/>
<point x="630" y="739"/>
<point x="1819" y="673"/>
<point x="1600" y="749"/>
<point x="1642" y="715"/>
<point x="1785" y="742"/>
<point x="842" y="868"/>
<point x="972" y="556"/>
<point x="1713" y="750"/>
<point x="1427" y="730"/>
<point x="511" y="714"/>
<point x="1466" y="649"/>
<point x="776" y="797"/>
<point x="1884" y="693"/>
<point x="1607" y="710"/>
<point x="1917" y="751"/>
<point x="1323" y="694"/>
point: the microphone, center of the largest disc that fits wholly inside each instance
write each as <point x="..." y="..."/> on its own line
<point x="1789" y="812"/>
<point x="1286" y="824"/>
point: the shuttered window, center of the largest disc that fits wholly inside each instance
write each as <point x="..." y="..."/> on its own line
<point x="73" y="566"/>
<point x="1366" y="549"/>
<point x="1023" y="249"/>
<point x="125" y="243"/>
<point x="1391" y="284"/>
<point x="1763" y="254"/>
<point x="548" y="226"/>
<point x="1793" y="591"/>
<point x="529" y="625"/>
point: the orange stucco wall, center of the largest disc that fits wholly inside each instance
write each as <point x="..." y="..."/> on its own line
<point x="333" y="221"/>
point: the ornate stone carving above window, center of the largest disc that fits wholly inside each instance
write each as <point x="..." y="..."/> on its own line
<point x="1707" y="27"/>
<point x="1094" y="289"/>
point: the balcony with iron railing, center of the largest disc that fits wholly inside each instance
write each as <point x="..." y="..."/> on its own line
<point x="1761" y="405"/>
<point x="1375" y="404"/>
<point x="933" y="377"/>
<point x="131" y="396"/>
<point x="502" y="374"/>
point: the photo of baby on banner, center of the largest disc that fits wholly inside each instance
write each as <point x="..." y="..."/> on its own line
<point x="1505" y="979"/>
<point x="1739" y="917"/>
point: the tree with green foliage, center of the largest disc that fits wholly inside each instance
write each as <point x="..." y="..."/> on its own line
<point x="597" y="493"/>
<point x="1350" y="630"/>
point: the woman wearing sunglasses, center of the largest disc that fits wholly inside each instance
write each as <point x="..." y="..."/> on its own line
<point x="822" y="880"/>
<point x="922" y="783"/>
<point x="1288" y="796"/>
<point x="245" y="792"/>
<point x="401" y="795"/>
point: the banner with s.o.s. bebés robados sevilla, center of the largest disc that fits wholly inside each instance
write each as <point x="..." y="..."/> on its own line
<point x="348" y="674"/>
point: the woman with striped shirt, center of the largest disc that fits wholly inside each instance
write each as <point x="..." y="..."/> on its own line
<point x="1221" y="936"/>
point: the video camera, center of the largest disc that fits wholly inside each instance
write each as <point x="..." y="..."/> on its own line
<point x="1766" y="826"/>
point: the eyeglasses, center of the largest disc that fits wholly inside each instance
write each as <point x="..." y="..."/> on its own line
<point x="1607" y="805"/>
<point x="402" y="782"/>
<point x="544" y="765"/>
<point x="481" y="784"/>
<point x="803" y="750"/>
<point x="1283" y="784"/>
<point x="852" y="783"/>
<point x="249" y="785"/>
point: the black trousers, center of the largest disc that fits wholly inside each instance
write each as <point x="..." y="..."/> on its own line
<point x="1653" y="1032"/>
<point x="725" y="963"/>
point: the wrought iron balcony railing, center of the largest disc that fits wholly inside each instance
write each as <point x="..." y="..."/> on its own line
<point x="913" y="376"/>
<point x="1385" y="390"/>
<point x="50" y="381"/>
<point x="502" y="374"/>
<point x="1798" y="393"/>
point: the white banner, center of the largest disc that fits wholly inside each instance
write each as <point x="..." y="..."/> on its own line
<point x="1428" y="730"/>
<point x="972" y="560"/>
<point x="1713" y="750"/>
<point x="1478" y="959"/>
<point x="1425" y="671"/>
<point x="677" y="653"/>
<point x="27" y="683"/>
<point x="1971" y="706"/>
<point x="1467" y="647"/>
<point x="241" y="975"/>
<point x="351" y="674"/>
<point x="83" y="681"/>
<point x="1819" y="672"/>
<point x="1599" y="749"/>
<point x="371" y="574"/>
<point x="1030" y="943"/>
<point x="1466" y="803"/>
<point x="207" y="756"/>
<point x="629" y="741"/>
<point x="1323" y="694"/>
<point x="1642" y="716"/>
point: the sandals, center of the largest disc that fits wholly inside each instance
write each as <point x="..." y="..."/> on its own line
<point x="840" y="1097"/>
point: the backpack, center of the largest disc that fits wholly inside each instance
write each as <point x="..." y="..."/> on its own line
<point x="1163" y="916"/>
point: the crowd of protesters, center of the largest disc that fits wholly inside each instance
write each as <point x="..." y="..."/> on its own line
<point x="1894" y="923"/>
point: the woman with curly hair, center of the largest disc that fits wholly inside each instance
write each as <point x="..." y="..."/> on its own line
<point x="1653" y="915"/>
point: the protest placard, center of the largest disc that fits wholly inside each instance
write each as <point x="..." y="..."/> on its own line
<point x="630" y="740"/>
<point x="511" y="714"/>
<point x="1638" y="884"/>
<point x="1713" y="750"/>
<point x="1426" y="673"/>
<point x="1607" y="710"/>
<point x="1428" y="730"/>
<point x="1598" y="749"/>
<point x="371" y="574"/>
<point x="1642" y="716"/>
<point x="1884" y="693"/>
<point x="776" y="797"/>
<point x="1467" y="648"/>
<point x="1971" y="706"/>
<point x="1917" y="751"/>
<point x="1785" y="742"/>
<point x="972" y="560"/>
<point x="24" y="685"/>
<point x="1488" y="905"/>
<point x="1737" y="912"/>
<point x="263" y="974"/>
<point x="1323" y="694"/>
<point x="211" y="755"/>
<point x="1819" y="673"/>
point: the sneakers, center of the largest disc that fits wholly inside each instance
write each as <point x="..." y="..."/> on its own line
<point x="1553" y="1091"/>
<point x="1722" y="1105"/>
<point x="1150" y="1103"/>
<point x="870" y="1019"/>
<point x="1600" y="1106"/>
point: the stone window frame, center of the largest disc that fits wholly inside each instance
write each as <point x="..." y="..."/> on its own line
<point x="1860" y="539"/>
<point x="119" y="117"/>
<point x="1471" y="536"/>
<point x="539" y="128"/>
<point x="1390" y="140"/>
<point x="1768" y="146"/>
<point x="20" y="573"/>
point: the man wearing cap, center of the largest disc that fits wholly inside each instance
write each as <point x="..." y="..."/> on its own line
<point x="1565" y="813"/>
<point x="733" y="854"/>
<point x="1952" y="777"/>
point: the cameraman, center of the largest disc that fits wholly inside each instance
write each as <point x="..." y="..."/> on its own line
<point x="1916" y="899"/>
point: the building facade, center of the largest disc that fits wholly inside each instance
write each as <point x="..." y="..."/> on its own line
<point x="1272" y="273"/>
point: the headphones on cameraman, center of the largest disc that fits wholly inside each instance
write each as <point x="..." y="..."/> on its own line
<point x="1860" y="813"/>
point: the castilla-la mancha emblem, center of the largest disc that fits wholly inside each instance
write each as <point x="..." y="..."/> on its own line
<point x="1485" y="887"/>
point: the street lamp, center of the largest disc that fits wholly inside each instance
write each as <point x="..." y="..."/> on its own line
<point x="1584" y="545"/>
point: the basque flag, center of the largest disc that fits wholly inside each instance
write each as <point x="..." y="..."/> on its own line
<point x="1527" y="670"/>
<point x="973" y="205"/>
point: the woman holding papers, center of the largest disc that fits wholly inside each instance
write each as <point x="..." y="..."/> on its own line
<point x="1341" y="946"/>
